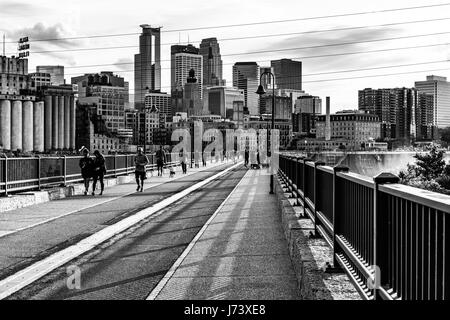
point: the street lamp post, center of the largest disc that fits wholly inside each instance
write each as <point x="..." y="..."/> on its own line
<point x="261" y="91"/>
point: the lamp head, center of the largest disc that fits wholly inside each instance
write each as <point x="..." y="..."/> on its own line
<point x="260" y="90"/>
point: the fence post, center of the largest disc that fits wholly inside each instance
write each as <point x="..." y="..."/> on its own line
<point x="65" y="170"/>
<point x="115" y="165"/>
<point x="316" y="190"/>
<point x="380" y="223"/>
<point x="39" y="172"/>
<point x="5" y="174"/>
<point x="336" y="223"/>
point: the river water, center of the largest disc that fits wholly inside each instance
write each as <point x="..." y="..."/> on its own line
<point x="369" y="163"/>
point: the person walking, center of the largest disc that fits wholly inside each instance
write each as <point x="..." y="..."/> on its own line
<point x="160" y="160"/>
<point x="86" y="164"/>
<point x="184" y="161"/>
<point x="246" y="156"/>
<point x="140" y="161"/>
<point x="99" y="171"/>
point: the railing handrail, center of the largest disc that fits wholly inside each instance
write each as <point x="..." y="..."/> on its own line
<point x="431" y="199"/>
<point x="375" y="222"/>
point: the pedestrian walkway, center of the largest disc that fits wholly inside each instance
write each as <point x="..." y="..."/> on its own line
<point x="241" y="253"/>
<point x="19" y="219"/>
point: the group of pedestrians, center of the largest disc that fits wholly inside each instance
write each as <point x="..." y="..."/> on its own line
<point x="94" y="168"/>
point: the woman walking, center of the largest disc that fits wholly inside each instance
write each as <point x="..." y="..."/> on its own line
<point x="99" y="171"/>
<point x="86" y="169"/>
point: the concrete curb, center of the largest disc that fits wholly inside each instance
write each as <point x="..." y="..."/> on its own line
<point x="29" y="198"/>
<point x="310" y="255"/>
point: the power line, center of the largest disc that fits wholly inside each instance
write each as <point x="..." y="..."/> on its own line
<point x="298" y="33"/>
<point x="261" y="51"/>
<point x="339" y="79"/>
<point x="378" y="75"/>
<point x="252" y="23"/>
<point x="297" y="58"/>
<point x="330" y="72"/>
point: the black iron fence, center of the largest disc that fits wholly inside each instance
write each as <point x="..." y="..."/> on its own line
<point x="33" y="173"/>
<point x="392" y="240"/>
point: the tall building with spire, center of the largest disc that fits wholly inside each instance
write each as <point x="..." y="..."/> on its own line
<point x="147" y="64"/>
<point x="212" y="62"/>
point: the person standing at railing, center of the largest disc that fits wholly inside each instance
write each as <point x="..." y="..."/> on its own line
<point x="86" y="164"/>
<point x="160" y="160"/>
<point x="140" y="162"/>
<point x="99" y="171"/>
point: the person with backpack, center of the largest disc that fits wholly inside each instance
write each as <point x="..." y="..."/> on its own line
<point x="160" y="160"/>
<point x="140" y="162"/>
<point x="86" y="164"/>
<point x="99" y="171"/>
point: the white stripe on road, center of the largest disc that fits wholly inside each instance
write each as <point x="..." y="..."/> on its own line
<point x="104" y="201"/>
<point x="19" y="280"/>
<point x="156" y="291"/>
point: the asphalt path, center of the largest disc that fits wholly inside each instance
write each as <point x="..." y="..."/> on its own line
<point x="25" y="247"/>
<point x="131" y="264"/>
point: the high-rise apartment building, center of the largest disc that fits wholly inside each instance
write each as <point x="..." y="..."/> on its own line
<point x="147" y="64"/>
<point x="56" y="74"/>
<point x="212" y="62"/>
<point x="288" y="73"/>
<point x="439" y="88"/>
<point x="402" y="111"/>
<point x="246" y="78"/>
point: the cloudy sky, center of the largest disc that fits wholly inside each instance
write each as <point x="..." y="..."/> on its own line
<point x="44" y="19"/>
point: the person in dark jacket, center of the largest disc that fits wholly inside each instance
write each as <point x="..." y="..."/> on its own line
<point x="86" y="169"/>
<point x="246" y="156"/>
<point x="98" y="172"/>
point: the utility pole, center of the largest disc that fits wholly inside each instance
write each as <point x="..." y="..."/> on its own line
<point x="4" y="54"/>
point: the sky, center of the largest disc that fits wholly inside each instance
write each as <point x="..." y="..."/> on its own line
<point x="44" y="19"/>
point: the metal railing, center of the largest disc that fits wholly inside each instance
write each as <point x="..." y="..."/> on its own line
<point x="34" y="173"/>
<point x="392" y="240"/>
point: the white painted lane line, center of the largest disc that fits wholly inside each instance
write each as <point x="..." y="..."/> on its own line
<point x="39" y="269"/>
<point x="105" y="201"/>
<point x="156" y="291"/>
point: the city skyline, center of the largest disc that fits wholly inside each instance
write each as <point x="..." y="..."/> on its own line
<point x="74" y="20"/>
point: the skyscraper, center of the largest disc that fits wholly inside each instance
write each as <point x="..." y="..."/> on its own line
<point x="439" y="88"/>
<point x="246" y="78"/>
<point x="183" y="59"/>
<point x="147" y="64"/>
<point x="288" y="73"/>
<point x="212" y="62"/>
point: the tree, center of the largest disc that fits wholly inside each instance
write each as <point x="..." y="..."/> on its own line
<point x="430" y="172"/>
<point x="445" y="134"/>
<point x="432" y="164"/>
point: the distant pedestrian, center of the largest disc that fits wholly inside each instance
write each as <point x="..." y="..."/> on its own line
<point x="140" y="162"/>
<point x="99" y="171"/>
<point x="184" y="161"/>
<point x="160" y="160"/>
<point x="246" y="156"/>
<point x="204" y="160"/>
<point x="86" y="164"/>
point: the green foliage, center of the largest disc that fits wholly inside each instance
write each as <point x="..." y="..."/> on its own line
<point x="445" y="134"/>
<point x="430" y="172"/>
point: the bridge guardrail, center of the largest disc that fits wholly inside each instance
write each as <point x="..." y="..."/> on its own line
<point x="34" y="173"/>
<point x="392" y="240"/>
